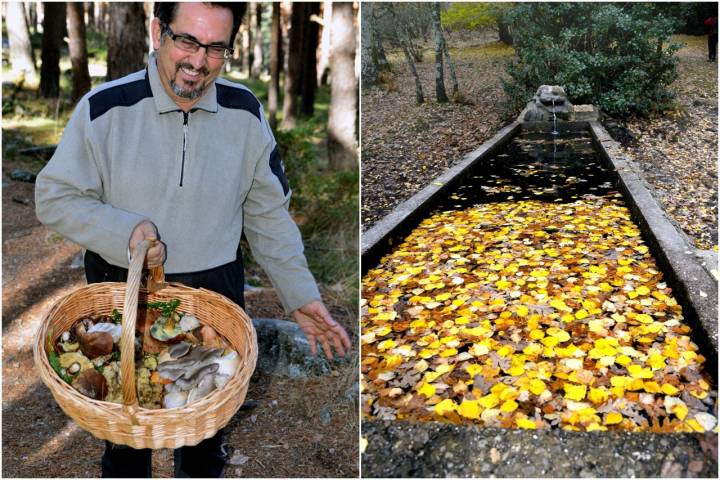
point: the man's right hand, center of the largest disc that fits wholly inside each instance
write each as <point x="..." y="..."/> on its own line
<point x="156" y="253"/>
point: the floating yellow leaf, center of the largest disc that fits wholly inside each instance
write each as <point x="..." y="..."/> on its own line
<point x="445" y="406"/>
<point x="613" y="418"/>
<point x="469" y="409"/>
<point x="525" y="423"/>
<point x="574" y="392"/>
<point x="427" y="390"/>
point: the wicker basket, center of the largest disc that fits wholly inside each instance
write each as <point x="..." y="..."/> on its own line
<point x="129" y="424"/>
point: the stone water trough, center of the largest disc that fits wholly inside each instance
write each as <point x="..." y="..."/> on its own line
<point x="404" y="448"/>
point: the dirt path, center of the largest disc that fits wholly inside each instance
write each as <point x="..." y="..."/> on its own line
<point x="301" y="428"/>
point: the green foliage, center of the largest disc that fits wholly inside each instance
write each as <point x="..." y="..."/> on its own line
<point x="473" y="16"/>
<point x="615" y="55"/>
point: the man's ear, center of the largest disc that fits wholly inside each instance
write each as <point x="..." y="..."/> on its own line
<point x="156" y="32"/>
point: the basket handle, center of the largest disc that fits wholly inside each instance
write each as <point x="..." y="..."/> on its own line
<point x="127" y="338"/>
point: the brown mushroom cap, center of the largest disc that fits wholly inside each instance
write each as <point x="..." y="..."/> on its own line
<point x="93" y="344"/>
<point x="91" y="383"/>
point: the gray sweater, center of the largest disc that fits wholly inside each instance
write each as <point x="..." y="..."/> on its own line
<point x="129" y="154"/>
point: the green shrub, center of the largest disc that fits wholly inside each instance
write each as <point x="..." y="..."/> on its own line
<point x="616" y="56"/>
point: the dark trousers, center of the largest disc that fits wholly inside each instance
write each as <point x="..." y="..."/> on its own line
<point x="204" y="460"/>
<point x="712" y="46"/>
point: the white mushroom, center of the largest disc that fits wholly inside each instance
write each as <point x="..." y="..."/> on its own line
<point x="206" y="385"/>
<point x="229" y="364"/>
<point x="189" y="322"/>
<point x="175" y="399"/>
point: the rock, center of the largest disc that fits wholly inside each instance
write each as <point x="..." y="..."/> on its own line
<point x="238" y="458"/>
<point x="325" y="415"/>
<point x="22" y="176"/>
<point x="284" y="350"/>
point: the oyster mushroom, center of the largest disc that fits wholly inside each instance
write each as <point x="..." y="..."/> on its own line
<point x="93" y="344"/>
<point x="91" y="383"/>
<point x="186" y="382"/>
<point x="179" y="349"/>
<point x="229" y="364"/>
<point x="175" y="399"/>
<point x="205" y="386"/>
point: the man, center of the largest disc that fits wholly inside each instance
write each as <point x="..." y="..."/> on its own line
<point x="173" y="153"/>
<point x="712" y="24"/>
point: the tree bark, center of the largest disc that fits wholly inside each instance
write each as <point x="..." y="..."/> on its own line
<point x="90" y="13"/>
<point x="309" y="70"/>
<point x="378" y="50"/>
<point x="21" y="55"/>
<point x="246" y="40"/>
<point x="401" y="39"/>
<point x="257" y="64"/>
<point x="439" y="73"/>
<point x="31" y="16"/>
<point x="294" y="68"/>
<point x="275" y="64"/>
<point x="323" y="64"/>
<point x="101" y="17"/>
<point x="53" y="30"/>
<point x="127" y="39"/>
<point x="342" y="150"/>
<point x="453" y="76"/>
<point x="369" y="65"/>
<point x="78" y="50"/>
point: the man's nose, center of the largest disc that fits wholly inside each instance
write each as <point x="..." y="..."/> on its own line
<point x="197" y="59"/>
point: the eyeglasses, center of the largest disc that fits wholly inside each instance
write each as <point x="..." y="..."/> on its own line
<point x="189" y="44"/>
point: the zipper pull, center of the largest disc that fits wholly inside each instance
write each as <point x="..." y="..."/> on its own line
<point x="184" y="148"/>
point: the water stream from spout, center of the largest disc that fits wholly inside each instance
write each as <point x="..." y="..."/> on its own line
<point x="554" y="132"/>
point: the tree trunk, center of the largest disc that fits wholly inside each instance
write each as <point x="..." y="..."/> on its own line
<point x="342" y="150"/>
<point x="275" y="63"/>
<point x="401" y="39"/>
<point x="101" y="17"/>
<point x="21" y="57"/>
<point x="53" y="30"/>
<point x="378" y="50"/>
<point x="504" y="30"/>
<point x="369" y="65"/>
<point x="246" y="36"/>
<point x="257" y="64"/>
<point x="453" y="76"/>
<point x="294" y="68"/>
<point x="323" y="65"/>
<point x="78" y="50"/>
<point x="439" y="73"/>
<point x="310" y="46"/>
<point x="31" y="17"/>
<point x="127" y="39"/>
<point x="90" y="14"/>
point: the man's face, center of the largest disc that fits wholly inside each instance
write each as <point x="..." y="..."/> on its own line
<point x="186" y="75"/>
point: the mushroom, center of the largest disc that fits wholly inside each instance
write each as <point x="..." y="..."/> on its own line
<point x="74" y="368"/>
<point x="65" y="337"/>
<point x="93" y="344"/>
<point x="167" y="330"/>
<point x="68" y="359"/>
<point x="206" y="385"/>
<point x="229" y="363"/>
<point x="111" y="328"/>
<point x="179" y="349"/>
<point x="188" y="323"/>
<point x="187" y="382"/>
<point x="175" y="399"/>
<point x="91" y="383"/>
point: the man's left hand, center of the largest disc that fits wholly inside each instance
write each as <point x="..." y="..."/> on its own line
<point x="318" y="326"/>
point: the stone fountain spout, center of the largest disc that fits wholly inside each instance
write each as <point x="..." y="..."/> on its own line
<point x="549" y="102"/>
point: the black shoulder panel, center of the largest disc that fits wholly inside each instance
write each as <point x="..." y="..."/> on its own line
<point x="237" y="98"/>
<point x="276" y="165"/>
<point x="124" y="95"/>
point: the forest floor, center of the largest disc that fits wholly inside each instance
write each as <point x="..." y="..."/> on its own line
<point x="300" y="428"/>
<point x="416" y="143"/>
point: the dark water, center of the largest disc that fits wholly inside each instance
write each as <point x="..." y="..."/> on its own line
<point x="535" y="166"/>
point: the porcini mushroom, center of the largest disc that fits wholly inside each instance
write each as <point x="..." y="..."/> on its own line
<point x="93" y="344"/>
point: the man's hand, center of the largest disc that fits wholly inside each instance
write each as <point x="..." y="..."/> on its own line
<point x="317" y="324"/>
<point x="156" y="253"/>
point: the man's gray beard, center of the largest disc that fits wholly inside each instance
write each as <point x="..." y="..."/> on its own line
<point x="191" y="95"/>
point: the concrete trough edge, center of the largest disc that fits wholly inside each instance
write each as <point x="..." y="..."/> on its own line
<point x="694" y="285"/>
<point x="397" y="223"/>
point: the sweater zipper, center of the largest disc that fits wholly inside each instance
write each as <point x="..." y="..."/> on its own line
<point x="184" y="149"/>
